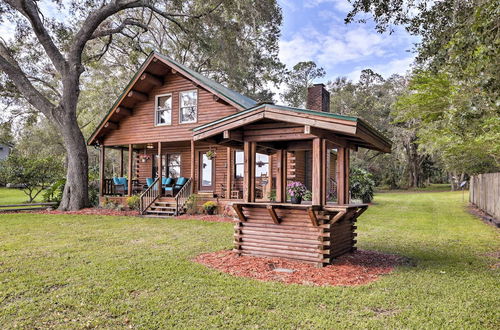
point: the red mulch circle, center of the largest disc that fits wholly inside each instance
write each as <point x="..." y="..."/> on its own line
<point x="357" y="268"/>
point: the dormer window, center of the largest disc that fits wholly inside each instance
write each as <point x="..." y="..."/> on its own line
<point x="188" y="107"/>
<point x="163" y="110"/>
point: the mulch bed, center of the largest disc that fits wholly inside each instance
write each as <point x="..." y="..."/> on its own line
<point x="357" y="268"/>
<point x="100" y="211"/>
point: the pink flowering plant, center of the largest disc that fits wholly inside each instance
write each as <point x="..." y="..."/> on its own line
<point x="296" y="189"/>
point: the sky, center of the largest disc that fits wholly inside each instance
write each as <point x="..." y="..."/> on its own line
<point x="315" y="30"/>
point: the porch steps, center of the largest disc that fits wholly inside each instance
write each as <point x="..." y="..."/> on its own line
<point x="161" y="209"/>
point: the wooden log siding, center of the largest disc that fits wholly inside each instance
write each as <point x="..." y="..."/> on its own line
<point x="288" y="231"/>
<point x="140" y="126"/>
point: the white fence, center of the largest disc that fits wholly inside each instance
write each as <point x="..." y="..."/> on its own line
<point x="485" y="193"/>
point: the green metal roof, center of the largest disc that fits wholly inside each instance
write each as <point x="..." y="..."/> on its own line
<point x="280" y="107"/>
<point x="244" y="101"/>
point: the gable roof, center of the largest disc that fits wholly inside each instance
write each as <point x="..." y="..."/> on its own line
<point x="232" y="97"/>
<point x="353" y="129"/>
<point x="244" y="101"/>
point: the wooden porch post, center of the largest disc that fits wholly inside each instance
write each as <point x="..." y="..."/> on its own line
<point x="281" y="176"/>
<point x="343" y="175"/>
<point x="160" y="165"/>
<point x="193" y="154"/>
<point x="318" y="162"/>
<point x="229" y="172"/>
<point x="121" y="163"/>
<point x="249" y="175"/>
<point x="130" y="174"/>
<point x="102" y="154"/>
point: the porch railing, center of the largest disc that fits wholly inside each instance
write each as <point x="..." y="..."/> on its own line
<point x="183" y="195"/>
<point x="108" y="187"/>
<point x="149" y="196"/>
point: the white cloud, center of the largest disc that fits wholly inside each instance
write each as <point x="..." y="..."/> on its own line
<point x="341" y="5"/>
<point x="339" y="45"/>
<point x="395" y="66"/>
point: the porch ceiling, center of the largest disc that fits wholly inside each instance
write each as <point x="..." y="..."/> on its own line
<point x="279" y="127"/>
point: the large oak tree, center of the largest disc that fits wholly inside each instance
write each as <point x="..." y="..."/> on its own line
<point x="53" y="49"/>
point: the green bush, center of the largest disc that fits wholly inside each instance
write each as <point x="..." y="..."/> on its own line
<point x="308" y="196"/>
<point x="54" y="192"/>
<point x="362" y="185"/>
<point x="94" y="193"/>
<point x="192" y="204"/>
<point x="133" y="202"/>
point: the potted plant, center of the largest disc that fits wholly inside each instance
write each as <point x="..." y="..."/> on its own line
<point x="296" y="190"/>
<point x="210" y="207"/>
<point x="210" y="154"/>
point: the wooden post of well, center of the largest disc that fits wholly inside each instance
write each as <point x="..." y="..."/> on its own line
<point x="102" y="155"/>
<point x="281" y="176"/>
<point x="249" y="175"/>
<point x="318" y="161"/>
<point x="130" y="162"/>
<point x="229" y="172"/>
<point x="343" y="175"/>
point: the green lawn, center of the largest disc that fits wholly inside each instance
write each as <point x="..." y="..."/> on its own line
<point x="15" y="196"/>
<point x="90" y="271"/>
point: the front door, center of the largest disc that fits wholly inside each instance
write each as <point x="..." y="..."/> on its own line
<point x="207" y="171"/>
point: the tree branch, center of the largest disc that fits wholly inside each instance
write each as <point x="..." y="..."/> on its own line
<point x="9" y="65"/>
<point x="29" y="9"/>
<point x="119" y="28"/>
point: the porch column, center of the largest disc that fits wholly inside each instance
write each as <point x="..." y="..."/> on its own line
<point x="249" y="175"/>
<point x="318" y="171"/>
<point x="193" y="154"/>
<point x="130" y="174"/>
<point x="281" y="176"/>
<point x="343" y="175"/>
<point x="160" y="165"/>
<point x="121" y="163"/>
<point x="229" y="172"/>
<point x="102" y="154"/>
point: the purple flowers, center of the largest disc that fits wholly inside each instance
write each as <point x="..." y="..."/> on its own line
<point x="296" y="189"/>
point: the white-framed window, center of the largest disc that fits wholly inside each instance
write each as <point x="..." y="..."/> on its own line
<point x="188" y="103"/>
<point x="163" y="110"/>
<point x="239" y="164"/>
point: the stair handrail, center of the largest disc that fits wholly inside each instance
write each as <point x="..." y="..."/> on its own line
<point x="182" y="196"/>
<point x="149" y="196"/>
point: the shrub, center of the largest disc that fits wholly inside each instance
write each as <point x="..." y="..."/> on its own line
<point x="192" y="204"/>
<point x="133" y="202"/>
<point x="362" y="185"/>
<point x="94" y="193"/>
<point x="54" y="192"/>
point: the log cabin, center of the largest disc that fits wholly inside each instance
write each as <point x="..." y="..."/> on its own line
<point x="180" y="133"/>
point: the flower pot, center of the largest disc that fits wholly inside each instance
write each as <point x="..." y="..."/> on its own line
<point x="296" y="199"/>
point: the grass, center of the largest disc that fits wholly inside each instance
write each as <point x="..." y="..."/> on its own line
<point x="10" y="196"/>
<point x="433" y="187"/>
<point x="89" y="271"/>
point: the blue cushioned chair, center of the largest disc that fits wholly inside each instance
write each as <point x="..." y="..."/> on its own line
<point x="121" y="185"/>
<point x="149" y="181"/>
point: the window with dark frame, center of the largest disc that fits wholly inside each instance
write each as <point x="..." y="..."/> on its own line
<point x="163" y="110"/>
<point x="188" y="101"/>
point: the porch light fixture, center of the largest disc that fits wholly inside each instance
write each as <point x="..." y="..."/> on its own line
<point x="149" y="146"/>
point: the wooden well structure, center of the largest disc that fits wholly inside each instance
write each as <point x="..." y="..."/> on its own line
<point x="313" y="232"/>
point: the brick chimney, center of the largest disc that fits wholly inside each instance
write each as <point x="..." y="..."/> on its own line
<point x="318" y="98"/>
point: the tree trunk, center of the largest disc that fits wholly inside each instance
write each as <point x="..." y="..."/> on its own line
<point x="75" y="194"/>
